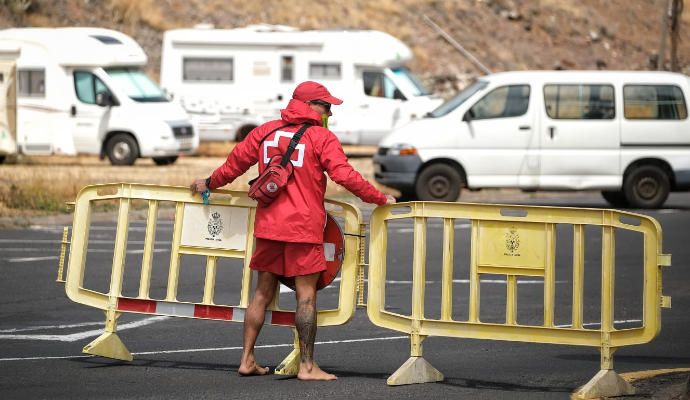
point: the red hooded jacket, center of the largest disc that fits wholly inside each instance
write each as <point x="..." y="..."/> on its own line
<point x="297" y="214"/>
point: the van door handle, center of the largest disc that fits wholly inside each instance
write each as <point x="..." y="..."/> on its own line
<point x="552" y="130"/>
<point x="525" y="128"/>
<point x="73" y="110"/>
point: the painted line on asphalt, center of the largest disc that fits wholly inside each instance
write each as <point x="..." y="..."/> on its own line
<point x="44" y="327"/>
<point x="265" y="346"/>
<point x="28" y="259"/>
<point x="93" y="241"/>
<point x="83" y="335"/>
<point x="622" y="321"/>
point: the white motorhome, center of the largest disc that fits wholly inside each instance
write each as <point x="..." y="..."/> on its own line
<point x="622" y="132"/>
<point x="8" y="97"/>
<point x="82" y="90"/>
<point x="231" y="80"/>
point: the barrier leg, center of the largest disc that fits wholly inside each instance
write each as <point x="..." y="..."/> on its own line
<point x="606" y="383"/>
<point x="109" y="344"/>
<point x="416" y="369"/>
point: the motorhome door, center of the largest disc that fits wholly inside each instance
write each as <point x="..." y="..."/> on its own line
<point x="379" y="109"/>
<point x="90" y="119"/>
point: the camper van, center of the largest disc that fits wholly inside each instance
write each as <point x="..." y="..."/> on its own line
<point x="231" y="80"/>
<point x="624" y="133"/>
<point x="8" y="93"/>
<point x="83" y="91"/>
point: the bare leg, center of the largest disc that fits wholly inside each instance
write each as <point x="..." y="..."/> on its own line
<point x="305" y="322"/>
<point x="253" y="321"/>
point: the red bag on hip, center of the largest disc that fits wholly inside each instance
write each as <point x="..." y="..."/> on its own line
<point x="275" y="177"/>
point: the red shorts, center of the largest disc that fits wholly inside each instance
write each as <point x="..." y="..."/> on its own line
<point x="286" y="258"/>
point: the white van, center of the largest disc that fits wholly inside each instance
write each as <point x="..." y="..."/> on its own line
<point x="82" y="90"/>
<point x="622" y="132"/>
<point x="231" y="80"/>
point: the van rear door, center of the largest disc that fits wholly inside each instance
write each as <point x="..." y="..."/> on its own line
<point x="580" y="137"/>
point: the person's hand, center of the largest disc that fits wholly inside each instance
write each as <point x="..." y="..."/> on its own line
<point x="390" y="199"/>
<point x="198" y="186"/>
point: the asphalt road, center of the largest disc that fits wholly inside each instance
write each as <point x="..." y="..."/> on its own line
<point x="42" y="332"/>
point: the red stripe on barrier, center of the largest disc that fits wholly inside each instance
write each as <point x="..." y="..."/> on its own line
<point x="212" y="312"/>
<point x="282" y="318"/>
<point x="136" y="305"/>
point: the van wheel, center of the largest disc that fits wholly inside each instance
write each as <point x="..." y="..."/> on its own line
<point x="2" y="159"/>
<point x="438" y="182"/>
<point x="243" y="132"/>
<point x="122" y="149"/>
<point x="165" y="160"/>
<point x="646" y="187"/>
<point x="616" y="198"/>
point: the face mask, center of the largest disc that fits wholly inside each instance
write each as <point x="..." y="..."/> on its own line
<point x="324" y="120"/>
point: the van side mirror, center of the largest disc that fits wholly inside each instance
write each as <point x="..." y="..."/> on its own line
<point x="467" y="117"/>
<point x="397" y="94"/>
<point x="105" y="99"/>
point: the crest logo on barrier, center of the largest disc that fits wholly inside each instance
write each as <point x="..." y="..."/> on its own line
<point x="512" y="243"/>
<point x="215" y="226"/>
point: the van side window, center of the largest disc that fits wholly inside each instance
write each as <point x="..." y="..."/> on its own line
<point x="207" y="69"/>
<point x="502" y="102"/>
<point x="377" y="84"/>
<point x="654" y="102"/>
<point x="579" y="101"/>
<point x="324" y="70"/>
<point x="287" y="69"/>
<point x="32" y="83"/>
<point x="87" y="86"/>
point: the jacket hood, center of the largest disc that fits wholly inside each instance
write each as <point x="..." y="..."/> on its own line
<point x="299" y="112"/>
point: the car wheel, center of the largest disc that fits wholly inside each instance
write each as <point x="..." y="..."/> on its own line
<point x="646" y="187"/>
<point x="165" y="160"/>
<point x="2" y="159"/>
<point x="243" y="132"/>
<point x="615" y="198"/>
<point x="438" y="182"/>
<point x="122" y="149"/>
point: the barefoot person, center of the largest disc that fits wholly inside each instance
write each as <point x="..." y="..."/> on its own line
<point x="289" y="231"/>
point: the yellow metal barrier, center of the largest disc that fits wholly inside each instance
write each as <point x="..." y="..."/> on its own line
<point x="515" y="241"/>
<point x="228" y="234"/>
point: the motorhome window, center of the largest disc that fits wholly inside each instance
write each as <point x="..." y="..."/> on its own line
<point x="324" y="71"/>
<point x="579" y="101"/>
<point x="377" y="84"/>
<point x="106" y="39"/>
<point x="32" y="82"/>
<point x="287" y="69"/>
<point x="87" y="86"/>
<point x="502" y="102"/>
<point x="136" y="85"/>
<point x="654" y="102"/>
<point x="207" y="69"/>
<point x="410" y="82"/>
<point x="460" y="98"/>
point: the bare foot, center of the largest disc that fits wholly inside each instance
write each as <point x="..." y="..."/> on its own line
<point x="252" y="368"/>
<point x="314" y="374"/>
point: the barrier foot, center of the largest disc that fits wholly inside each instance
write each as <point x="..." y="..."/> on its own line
<point x="415" y="370"/>
<point x="108" y="345"/>
<point x="606" y="383"/>
<point x="290" y="365"/>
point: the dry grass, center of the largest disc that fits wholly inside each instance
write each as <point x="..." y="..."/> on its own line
<point x="46" y="183"/>
<point x="133" y="12"/>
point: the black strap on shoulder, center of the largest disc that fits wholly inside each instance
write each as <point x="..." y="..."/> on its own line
<point x="293" y="143"/>
<point x="269" y="133"/>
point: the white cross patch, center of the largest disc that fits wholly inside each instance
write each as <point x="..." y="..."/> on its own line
<point x="274" y="143"/>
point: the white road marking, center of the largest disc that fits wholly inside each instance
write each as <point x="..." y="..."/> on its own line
<point x="83" y="335"/>
<point x="265" y="346"/>
<point x="93" y="241"/>
<point x="623" y="321"/>
<point x="668" y="211"/>
<point x="27" y="259"/>
<point x="43" y="327"/>
<point x="520" y="282"/>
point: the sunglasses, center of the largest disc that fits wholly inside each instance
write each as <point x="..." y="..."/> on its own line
<point x="323" y="104"/>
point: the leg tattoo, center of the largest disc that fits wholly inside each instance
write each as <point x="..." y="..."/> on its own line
<point x="305" y="321"/>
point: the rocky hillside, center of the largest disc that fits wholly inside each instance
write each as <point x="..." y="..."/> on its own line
<point x="502" y="34"/>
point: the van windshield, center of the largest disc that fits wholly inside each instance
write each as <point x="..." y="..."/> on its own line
<point x="409" y="82"/>
<point x="136" y="84"/>
<point x="460" y="98"/>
